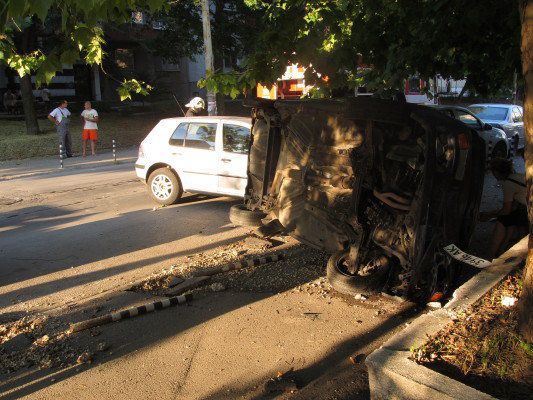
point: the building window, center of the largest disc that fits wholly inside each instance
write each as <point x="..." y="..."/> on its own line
<point x="124" y="58"/>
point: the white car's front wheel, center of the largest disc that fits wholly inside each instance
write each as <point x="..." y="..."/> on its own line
<point x="164" y="186"/>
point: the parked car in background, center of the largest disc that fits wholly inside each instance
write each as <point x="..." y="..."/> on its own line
<point x="195" y="154"/>
<point x="497" y="144"/>
<point x="383" y="186"/>
<point x="508" y="117"/>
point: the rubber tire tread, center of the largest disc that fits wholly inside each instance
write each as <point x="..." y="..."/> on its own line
<point x="241" y="216"/>
<point x="349" y="284"/>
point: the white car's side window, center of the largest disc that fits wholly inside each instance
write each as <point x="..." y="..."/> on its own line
<point x="179" y="134"/>
<point x="236" y="138"/>
<point x="201" y="135"/>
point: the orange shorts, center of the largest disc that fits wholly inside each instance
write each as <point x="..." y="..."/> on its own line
<point x="90" y="134"/>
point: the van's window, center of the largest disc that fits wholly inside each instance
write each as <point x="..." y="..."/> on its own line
<point x="236" y="138"/>
<point x="178" y="136"/>
<point x="201" y="135"/>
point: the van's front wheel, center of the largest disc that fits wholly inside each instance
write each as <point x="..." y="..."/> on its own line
<point x="239" y="215"/>
<point x="164" y="186"/>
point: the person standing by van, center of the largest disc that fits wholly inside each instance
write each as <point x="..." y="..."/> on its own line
<point x="511" y="218"/>
<point x="90" y="128"/>
<point x="196" y="107"/>
<point x="60" y="117"/>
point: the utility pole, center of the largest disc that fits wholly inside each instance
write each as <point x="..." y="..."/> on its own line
<point x="208" y="51"/>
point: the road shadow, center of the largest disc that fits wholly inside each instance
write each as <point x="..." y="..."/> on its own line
<point x="41" y="240"/>
<point x="334" y="376"/>
<point x="205" y="306"/>
<point x="333" y="370"/>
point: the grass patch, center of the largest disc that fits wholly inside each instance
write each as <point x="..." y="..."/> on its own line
<point x="483" y="347"/>
<point x="126" y="130"/>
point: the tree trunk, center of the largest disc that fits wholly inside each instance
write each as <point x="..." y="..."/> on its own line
<point x="28" y="103"/>
<point x="26" y="91"/>
<point x="218" y="52"/>
<point x="208" y="54"/>
<point x="525" y="305"/>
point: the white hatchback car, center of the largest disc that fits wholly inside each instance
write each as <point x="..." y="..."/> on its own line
<point x="195" y="154"/>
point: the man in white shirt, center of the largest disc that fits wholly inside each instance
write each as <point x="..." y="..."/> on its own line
<point x="60" y="117"/>
<point x="89" y="116"/>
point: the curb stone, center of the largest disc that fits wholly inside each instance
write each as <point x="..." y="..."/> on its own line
<point x="392" y="375"/>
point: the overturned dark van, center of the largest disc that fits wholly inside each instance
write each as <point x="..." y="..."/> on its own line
<point x="383" y="186"/>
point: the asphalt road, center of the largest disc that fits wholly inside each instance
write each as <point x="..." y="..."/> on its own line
<point x="75" y="233"/>
<point x="72" y="240"/>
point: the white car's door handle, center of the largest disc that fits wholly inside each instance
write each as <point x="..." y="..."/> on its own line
<point x="176" y="154"/>
<point x="225" y="160"/>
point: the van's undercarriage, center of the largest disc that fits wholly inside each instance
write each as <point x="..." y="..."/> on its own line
<point x="383" y="186"/>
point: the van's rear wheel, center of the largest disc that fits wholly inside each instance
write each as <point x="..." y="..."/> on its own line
<point x="164" y="186"/>
<point x="241" y="216"/>
<point x="352" y="284"/>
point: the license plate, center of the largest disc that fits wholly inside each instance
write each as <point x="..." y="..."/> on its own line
<point x="459" y="255"/>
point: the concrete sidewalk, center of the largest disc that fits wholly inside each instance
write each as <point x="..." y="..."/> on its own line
<point x="14" y="169"/>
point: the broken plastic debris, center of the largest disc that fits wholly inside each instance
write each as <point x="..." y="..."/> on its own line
<point x="508" y="301"/>
<point x="436" y="297"/>
<point x="435" y="304"/>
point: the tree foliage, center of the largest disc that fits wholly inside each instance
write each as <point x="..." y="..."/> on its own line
<point x="235" y="29"/>
<point x="77" y="33"/>
<point x="476" y="39"/>
<point x="181" y="33"/>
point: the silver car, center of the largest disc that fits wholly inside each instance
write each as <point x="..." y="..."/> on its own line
<point x="498" y="145"/>
<point x="508" y="117"/>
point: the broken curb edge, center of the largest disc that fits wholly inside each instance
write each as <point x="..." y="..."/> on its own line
<point x="392" y="375"/>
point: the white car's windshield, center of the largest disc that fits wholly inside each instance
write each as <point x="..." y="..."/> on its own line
<point x="490" y="112"/>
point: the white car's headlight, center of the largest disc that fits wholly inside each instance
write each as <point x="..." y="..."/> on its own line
<point x="141" y="151"/>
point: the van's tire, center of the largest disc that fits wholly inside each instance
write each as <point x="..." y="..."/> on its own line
<point x="345" y="283"/>
<point x="164" y="186"/>
<point x="241" y="216"/>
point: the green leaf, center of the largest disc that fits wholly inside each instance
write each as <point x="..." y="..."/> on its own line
<point x="234" y="93"/>
<point x="40" y="8"/>
<point x="17" y="8"/>
<point x="124" y="93"/>
<point x="70" y="56"/>
<point x="155" y="5"/>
